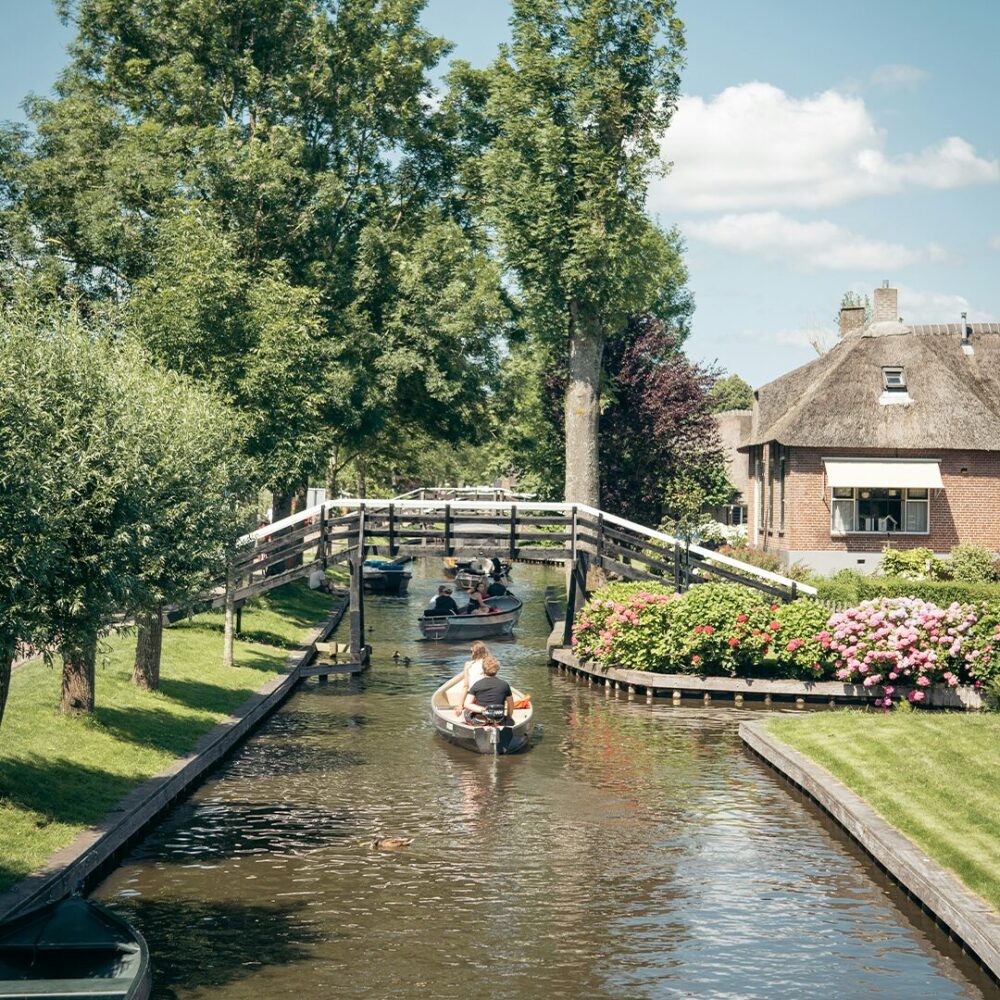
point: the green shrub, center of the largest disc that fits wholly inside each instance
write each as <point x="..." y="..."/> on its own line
<point x="798" y="653"/>
<point x="850" y="588"/>
<point x="718" y="628"/>
<point x="841" y="589"/>
<point x="765" y="560"/>
<point x="912" y="564"/>
<point x="973" y="564"/>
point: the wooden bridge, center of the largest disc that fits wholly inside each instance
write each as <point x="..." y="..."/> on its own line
<point x="574" y="536"/>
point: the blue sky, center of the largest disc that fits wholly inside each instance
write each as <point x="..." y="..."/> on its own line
<point x="817" y="148"/>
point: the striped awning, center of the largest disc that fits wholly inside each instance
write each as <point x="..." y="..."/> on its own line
<point x="878" y="473"/>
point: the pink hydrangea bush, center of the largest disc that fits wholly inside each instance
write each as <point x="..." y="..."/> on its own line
<point x="902" y="642"/>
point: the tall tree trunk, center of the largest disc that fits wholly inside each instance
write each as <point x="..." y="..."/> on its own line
<point x="583" y="394"/>
<point x="298" y="503"/>
<point x="362" y="476"/>
<point x="332" y="468"/>
<point x="229" y="628"/>
<point x="8" y="649"/>
<point x="77" y="693"/>
<point x="148" y="649"/>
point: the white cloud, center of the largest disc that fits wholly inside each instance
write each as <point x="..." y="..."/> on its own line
<point x="816" y="244"/>
<point x="898" y="75"/>
<point x="918" y="306"/>
<point x="754" y="146"/>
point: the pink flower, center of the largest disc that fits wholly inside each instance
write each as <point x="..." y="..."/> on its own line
<point x="915" y="696"/>
<point x="741" y="618"/>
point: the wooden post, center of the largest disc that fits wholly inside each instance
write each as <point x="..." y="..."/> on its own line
<point x="599" y="554"/>
<point x="362" y="552"/>
<point x="322" y="535"/>
<point x="227" y="634"/>
<point x="393" y="547"/>
<point x="570" y="607"/>
<point x="447" y="529"/>
<point x="677" y="566"/>
<point x="356" y="612"/>
<point x="513" y="531"/>
<point x="239" y="618"/>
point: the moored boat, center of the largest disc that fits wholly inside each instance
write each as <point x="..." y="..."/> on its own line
<point x="381" y="576"/>
<point x="500" y="620"/>
<point x="73" y="948"/>
<point x="488" y="738"/>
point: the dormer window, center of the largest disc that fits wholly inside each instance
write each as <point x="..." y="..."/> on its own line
<point x="893" y="380"/>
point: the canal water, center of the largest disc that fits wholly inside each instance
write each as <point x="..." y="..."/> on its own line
<point x="633" y="851"/>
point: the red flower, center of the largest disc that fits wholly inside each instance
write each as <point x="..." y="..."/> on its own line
<point x="774" y="607"/>
<point x="774" y="626"/>
<point x="756" y="631"/>
<point x="708" y="630"/>
<point x="698" y="628"/>
<point x="741" y="618"/>
<point x="766" y="636"/>
<point x="734" y="642"/>
<point x="696" y="659"/>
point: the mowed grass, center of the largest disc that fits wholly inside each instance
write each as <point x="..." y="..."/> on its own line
<point x="59" y="775"/>
<point x="934" y="776"/>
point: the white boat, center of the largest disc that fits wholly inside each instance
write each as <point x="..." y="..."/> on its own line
<point x="480" y="738"/>
<point x="500" y="620"/>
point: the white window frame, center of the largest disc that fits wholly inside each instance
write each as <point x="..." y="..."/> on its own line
<point x="894" y="378"/>
<point x="905" y="500"/>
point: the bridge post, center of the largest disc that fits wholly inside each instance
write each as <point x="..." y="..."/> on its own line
<point x="322" y="536"/>
<point x="570" y="606"/>
<point x="393" y="547"/>
<point x="599" y="550"/>
<point x="677" y="566"/>
<point x="513" y="531"/>
<point x="447" y="529"/>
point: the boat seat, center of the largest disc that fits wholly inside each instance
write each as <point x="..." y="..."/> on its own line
<point x="92" y="989"/>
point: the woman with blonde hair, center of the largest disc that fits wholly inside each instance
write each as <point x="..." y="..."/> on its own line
<point x="472" y="672"/>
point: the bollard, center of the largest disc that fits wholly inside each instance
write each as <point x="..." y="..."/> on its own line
<point x="739" y="699"/>
<point x="676" y="696"/>
<point x="707" y="697"/>
<point x="800" y="703"/>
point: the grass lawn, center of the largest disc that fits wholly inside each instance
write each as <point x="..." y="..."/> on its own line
<point x="59" y="775"/>
<point x="932" y="775"/>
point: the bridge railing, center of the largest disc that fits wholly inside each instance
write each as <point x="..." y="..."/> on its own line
<point x="550" y="532"/>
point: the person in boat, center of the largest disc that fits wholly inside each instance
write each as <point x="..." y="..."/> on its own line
<point x="497" y="588"/>
<point x="477" y="600"/>
<point x="471" y="672"/>
<point x="444" y="604"/>
<point x="490" y="691"/>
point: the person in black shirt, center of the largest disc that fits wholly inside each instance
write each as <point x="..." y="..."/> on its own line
<point x="489" y="691"/>
<point x="496" y="588"/>
<point x="444" y="604"/>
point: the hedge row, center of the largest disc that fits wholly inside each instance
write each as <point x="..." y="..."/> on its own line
<point x="850" y="588"/>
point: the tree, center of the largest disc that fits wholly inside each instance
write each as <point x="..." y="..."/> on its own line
<point x="730" y="393"/>
<point x="656" y="429"/>
<point x="579" y="102"/>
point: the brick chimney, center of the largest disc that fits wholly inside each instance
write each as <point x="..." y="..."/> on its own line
<point x="852" y="320"/>
<point x="885" y="308"/>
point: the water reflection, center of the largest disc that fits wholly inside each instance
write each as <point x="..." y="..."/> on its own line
<point x="633" y="851"/>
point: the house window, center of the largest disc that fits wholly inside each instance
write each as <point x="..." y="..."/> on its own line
<point x="772" y="475"/>
<point x="893" y="380"/>
<point x="879" y="511"/>
<point x="758" y="489"/>
<point x="917" y="504"/>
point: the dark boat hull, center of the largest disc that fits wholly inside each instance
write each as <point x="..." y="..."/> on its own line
<point x="387" y="583"/>
<point x="73" y="948"/>
<point x="479" y="738"/>
<point x="466" y="628"/>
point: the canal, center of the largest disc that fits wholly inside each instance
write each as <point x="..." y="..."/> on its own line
<point x="633" y="851"/>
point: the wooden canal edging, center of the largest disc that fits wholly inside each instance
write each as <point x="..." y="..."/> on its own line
<point x="965" y="915"/>
<point x="91" y="851"/>
<point x="740" y="688"/>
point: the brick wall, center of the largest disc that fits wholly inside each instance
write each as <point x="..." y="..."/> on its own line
<point x="966" y="510"/>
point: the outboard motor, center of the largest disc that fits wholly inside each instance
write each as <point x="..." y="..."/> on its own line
<point x="498" y="734"/>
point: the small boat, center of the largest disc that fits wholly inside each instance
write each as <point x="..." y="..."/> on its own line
<point x="501" y="619"/>
<point x="468" y="575"/>
<point x="382" y="576"/>
<point x="488" y="738"/>
<point x="73" y="948"/>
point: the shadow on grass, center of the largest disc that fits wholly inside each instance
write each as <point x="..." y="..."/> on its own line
<point x="61" y="790"/>
<point x="261" y="636"/>
<point x="298" y="604"/>
<point x="197" y="945"/>
<point x="154" y="727"/>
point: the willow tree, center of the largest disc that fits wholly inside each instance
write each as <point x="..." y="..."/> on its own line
<point x="579" y="102"/>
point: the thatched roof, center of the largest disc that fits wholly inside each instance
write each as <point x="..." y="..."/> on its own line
<point x="834" y="401"/>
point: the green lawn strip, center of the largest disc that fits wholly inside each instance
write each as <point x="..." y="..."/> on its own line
<point x="60" y="775"/>
<point x="932" y="776"/>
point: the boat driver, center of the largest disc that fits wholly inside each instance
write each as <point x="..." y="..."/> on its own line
<point x="444" y="604"/>
<point x="490" y="691"/>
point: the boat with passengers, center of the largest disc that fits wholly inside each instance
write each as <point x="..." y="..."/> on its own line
<point x="487" y="736"/>
<point x="500" y="618"/>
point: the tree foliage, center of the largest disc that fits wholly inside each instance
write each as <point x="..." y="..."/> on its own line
<point x="730" y="393"/>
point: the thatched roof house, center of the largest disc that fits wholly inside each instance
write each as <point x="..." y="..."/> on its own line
<point x="892" y="437"/>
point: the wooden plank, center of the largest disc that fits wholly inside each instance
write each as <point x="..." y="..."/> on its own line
<point x="322" y="668"/>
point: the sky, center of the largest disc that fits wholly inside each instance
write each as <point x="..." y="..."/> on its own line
<point x="817" y="148"/>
